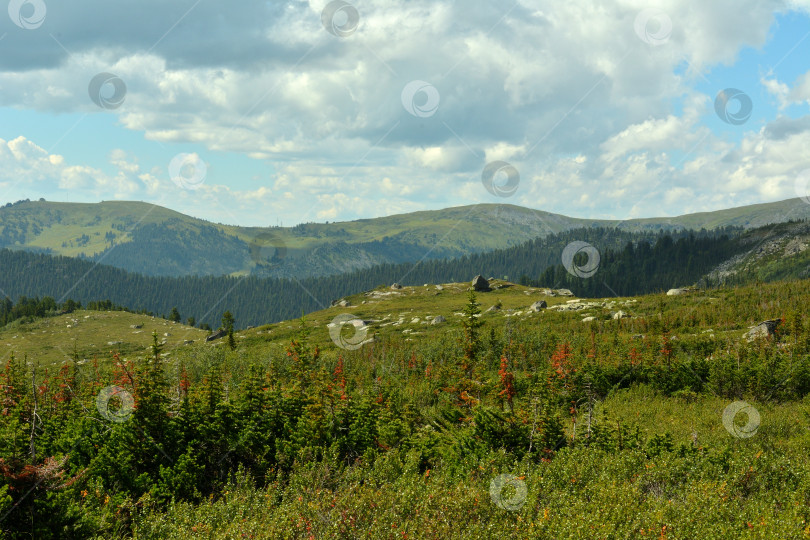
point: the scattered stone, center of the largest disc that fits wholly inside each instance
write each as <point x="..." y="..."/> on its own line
<point x="396" y="286"/>
<point x="415" y="320"/>
<point x="537" y="306"/>
<point x="564" y="292"/>
<point x="136" y="326"/>
<point x="438" y="320"/>
<point x="480" y="284"/>
<point x="166" y="334"/>
<point x="493" y="308"/>
<point x="439" y="288"/>
<point x="762" y="330"/>
<point x="588" y="319"/>
<point x="620" y="315"/>
<point x="111" y="343"/>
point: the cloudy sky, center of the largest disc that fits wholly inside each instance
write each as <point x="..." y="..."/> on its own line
<point x="260" y="113"/>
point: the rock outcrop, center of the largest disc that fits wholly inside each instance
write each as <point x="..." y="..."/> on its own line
<point x="216" y="335"/>
<point x="762" y="330"/>
<point x="538" y="306"/>
<point x="480" y="284"/>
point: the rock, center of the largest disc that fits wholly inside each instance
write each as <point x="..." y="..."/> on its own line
<point x="588" y="319"/>
<point x="762" y="330"/>
<point x="439" y="288"/>
<point x="136" y="326"/>
<point x="493" y="308"/>
<point x="438" y="320"/>
<point x="111" y="343"/>
<point x="680" y="290"/>
<point x="343" y="303"/>
<point x="620" y="315"/>
<point x="250" y="327"/>
<point x="216" y="335"/>
<point x="537" y="306"/>
<point x="166" y="334"/>
<point x="564" y="292"/>
<point x="396" y="286"/>
<point x="479" y="283"/>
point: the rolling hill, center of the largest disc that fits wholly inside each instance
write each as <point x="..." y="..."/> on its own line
<point x="156" y="241"/>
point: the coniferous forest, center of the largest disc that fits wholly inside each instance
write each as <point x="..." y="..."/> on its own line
<point x="631" y="263"/>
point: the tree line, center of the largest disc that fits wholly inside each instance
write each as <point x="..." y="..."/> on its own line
<point x="631" y="263"/>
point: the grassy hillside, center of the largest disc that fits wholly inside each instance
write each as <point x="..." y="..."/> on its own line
<point x="152" y="240"/>
<point x="91" y="334"/>
<point x="571" y="421"/>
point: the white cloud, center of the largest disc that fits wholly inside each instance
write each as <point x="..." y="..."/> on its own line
<point x="594" y="119"/>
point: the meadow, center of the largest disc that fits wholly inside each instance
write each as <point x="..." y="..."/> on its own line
<point x="651" y="418"/>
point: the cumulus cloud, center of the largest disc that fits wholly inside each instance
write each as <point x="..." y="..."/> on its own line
<point x="595" y="119"/>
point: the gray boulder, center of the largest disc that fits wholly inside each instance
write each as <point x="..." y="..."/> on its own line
<point x="438" y="320"/>
<point x="564" y="292"/>
<point x="620" y="315"/>
<point x="537" y="306"/>
<point x="396" y="286"/>
<point x="479" y="283"/>
<point x="762" y="330"/>
<point x="216" y="335"/>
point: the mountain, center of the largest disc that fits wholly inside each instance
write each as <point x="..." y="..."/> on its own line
<point x="155" y="241"/>
<point x="631" y="263"/>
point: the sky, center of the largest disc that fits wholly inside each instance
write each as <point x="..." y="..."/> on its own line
<point x="285" y="112"/>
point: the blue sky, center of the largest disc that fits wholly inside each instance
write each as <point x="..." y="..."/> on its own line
<point x="277" y="116"/>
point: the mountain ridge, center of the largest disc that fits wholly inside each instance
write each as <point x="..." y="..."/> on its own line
<point x="153" y="240"/>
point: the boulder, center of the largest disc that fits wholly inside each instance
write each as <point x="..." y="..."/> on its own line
<point x="216" y="335"/>
<point x="620" y="315"/>
<point x="588" y="319"/>
<point x="438" y="320"/>
<point x="396" y="286"/>
<point x="479" y="283"/>
<point x="136" y="326"/>
<point x="762" y="330"/>
<point x="493" y="308"/>
<point x="564" y="292"/>
<point x="537" y="306"/>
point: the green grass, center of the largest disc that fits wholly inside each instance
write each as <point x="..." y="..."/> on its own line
<point x="51" y="341"/>
<point x="385" y="462"/>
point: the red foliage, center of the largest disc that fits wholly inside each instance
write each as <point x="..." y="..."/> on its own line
<point x="507" y="381"/>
